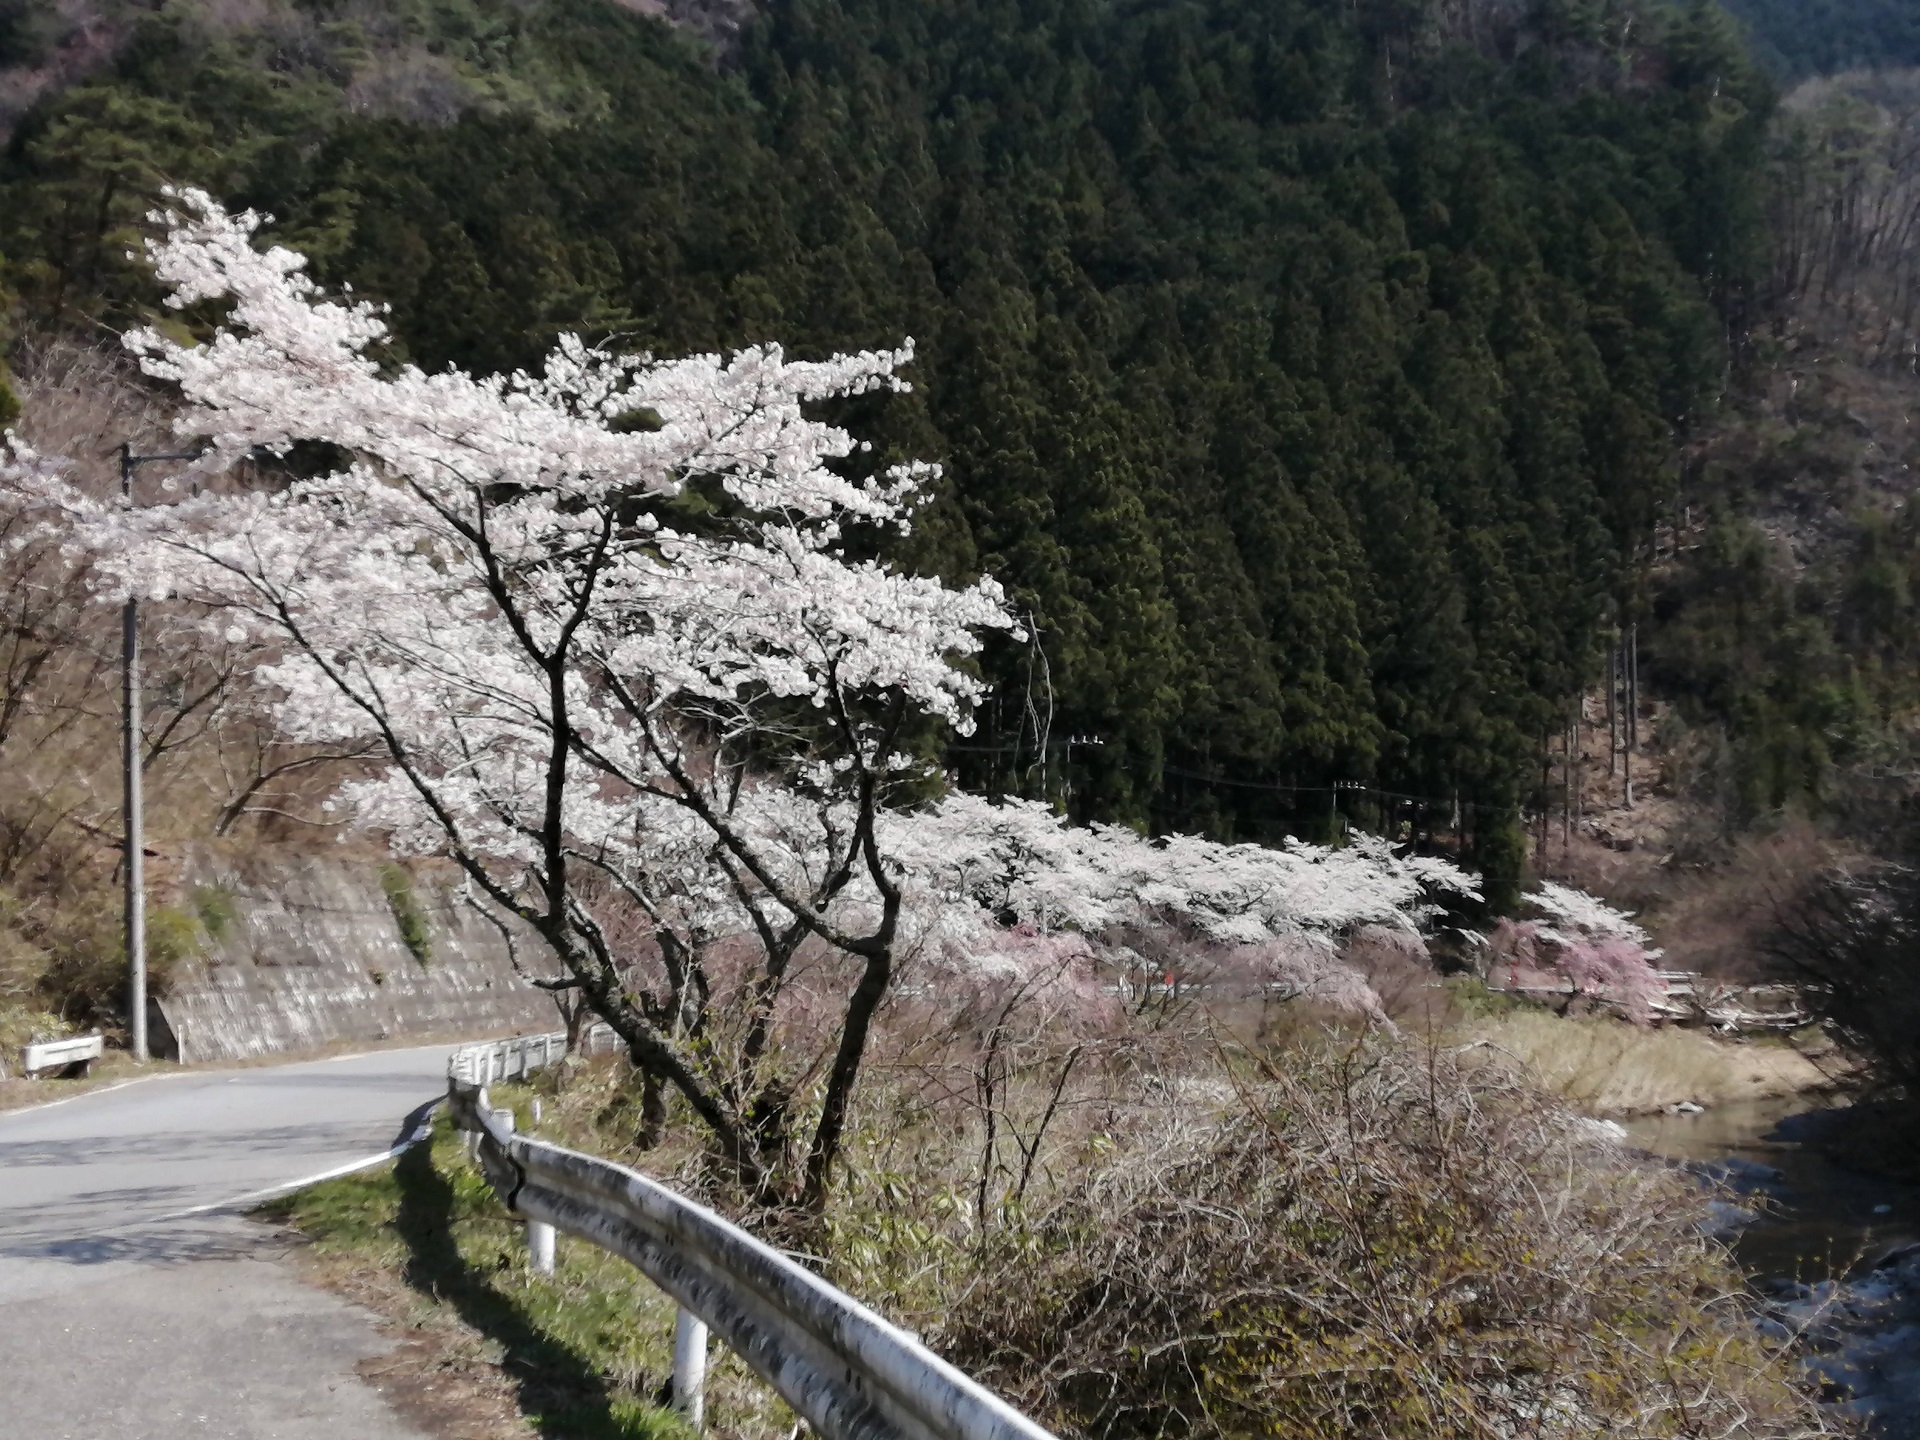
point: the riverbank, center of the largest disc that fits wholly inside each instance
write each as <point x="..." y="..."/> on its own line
<point x="1612" y="1069"/>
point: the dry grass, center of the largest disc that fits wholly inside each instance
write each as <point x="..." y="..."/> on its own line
<point x="1609" y="1068"/>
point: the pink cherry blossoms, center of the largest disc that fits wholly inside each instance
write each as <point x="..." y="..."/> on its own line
<point x="1584" y="949"/>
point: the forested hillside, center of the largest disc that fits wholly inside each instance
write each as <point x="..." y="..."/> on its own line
<point x="1821" y="37"/>
<point x="1784" y="625"/>
<point x="1311" y="372"/>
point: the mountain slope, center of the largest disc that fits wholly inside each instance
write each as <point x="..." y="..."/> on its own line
<point x="1824" y="37"/>
<point x="1310" y="371"/>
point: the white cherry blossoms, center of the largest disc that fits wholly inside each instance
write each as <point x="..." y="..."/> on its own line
<point x="601" y="619"/>
<point x="502" y="560"/>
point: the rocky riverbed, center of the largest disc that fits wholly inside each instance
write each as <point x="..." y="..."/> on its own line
<point x="1862" y="1338"/>
<point x="1834" y="1254"/>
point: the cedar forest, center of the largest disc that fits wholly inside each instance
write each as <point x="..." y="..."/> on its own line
<point x="1325" y="381"/>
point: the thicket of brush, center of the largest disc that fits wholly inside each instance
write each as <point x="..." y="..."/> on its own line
<point x="1369" y="1241"/>
<point x="1258" y="1222"/>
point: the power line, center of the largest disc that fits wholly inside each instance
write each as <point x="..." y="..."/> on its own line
<point x="1270" y="787"/>
<point x="1022" y="748"/>
<point x="1357" y="786"/>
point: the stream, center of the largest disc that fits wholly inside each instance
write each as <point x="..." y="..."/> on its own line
<point x="1835" y="1253"/>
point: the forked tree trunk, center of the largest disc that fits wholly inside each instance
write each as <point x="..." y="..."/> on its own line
<point x="653" y="1111"/>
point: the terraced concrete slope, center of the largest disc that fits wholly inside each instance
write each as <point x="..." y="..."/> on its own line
<point x="312" y="951"/>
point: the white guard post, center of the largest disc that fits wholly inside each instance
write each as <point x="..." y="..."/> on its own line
<point x="689" y="1365"/>
<point x="540" y="1247"/>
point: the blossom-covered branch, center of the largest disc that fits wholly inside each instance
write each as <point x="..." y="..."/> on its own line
<point x="571" y="609"/>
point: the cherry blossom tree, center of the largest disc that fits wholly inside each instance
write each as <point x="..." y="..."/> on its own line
<point x="589" y="616"/>
<point x="1018" y="857"/>
<point x="1575" y="912"/>
<point x="1270" y="917"/>
<point x="1583" y="947"/>
<point x="605" y="633"/>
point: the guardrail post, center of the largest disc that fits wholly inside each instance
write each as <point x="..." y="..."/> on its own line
<point x="873" y="1379"/>
<point x="540" y="1247"/>
<point x="689" y="1365"/>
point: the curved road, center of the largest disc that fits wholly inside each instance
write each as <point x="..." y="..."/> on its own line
<point x="135" y="1302"/>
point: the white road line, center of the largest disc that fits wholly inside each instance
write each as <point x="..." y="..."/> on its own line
<point x="365" y="1162"/>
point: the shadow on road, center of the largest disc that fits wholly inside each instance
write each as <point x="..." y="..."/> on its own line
<point x="558" y="1391"/>
<point x="173" y="1242"/>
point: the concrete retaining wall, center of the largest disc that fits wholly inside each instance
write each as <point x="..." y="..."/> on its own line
<point x="313" y="953"/>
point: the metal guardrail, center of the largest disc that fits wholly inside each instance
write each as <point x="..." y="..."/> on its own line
<point x="79" y="1050"/>
<point x="1690" y="996"/>
<point x="847" y="1371"/>
<point x="513" y="1059"/>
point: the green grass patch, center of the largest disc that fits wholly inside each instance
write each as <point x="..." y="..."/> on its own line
<point x="1474" y="1001"/>
<point x="22" y="1025"/>
<point x="173" y="934"/>
<point x="215" y="906"/>
<point x="408" y="913"/>
<point x="587" y="1350"/>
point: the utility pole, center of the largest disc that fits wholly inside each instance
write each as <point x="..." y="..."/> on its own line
<point x="135" y="867"/>
<point x="130" y="741"/>
<point x="1633" y="685"/>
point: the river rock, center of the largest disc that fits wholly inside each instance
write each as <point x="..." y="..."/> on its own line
<point x="1897" y="1257"/>
<point x="1605" y="1132"/>
<point x="1861" y="1340"/>
<point x="1723" y="1221"/>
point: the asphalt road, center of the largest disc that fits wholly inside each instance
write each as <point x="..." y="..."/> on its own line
<point x="134" y="1301"/>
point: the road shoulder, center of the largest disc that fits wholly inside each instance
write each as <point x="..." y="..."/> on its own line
<point x="230" y="1344"/>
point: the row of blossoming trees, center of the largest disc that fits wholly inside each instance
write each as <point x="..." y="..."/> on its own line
<point x="606" y="630"/>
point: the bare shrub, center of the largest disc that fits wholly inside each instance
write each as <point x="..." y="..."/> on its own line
<point x="1853" y="939"/>
<point x="1369" y="1242"/>
<point x="1398" y="969"/>
<point x="1632" y="878"/>
<point x="81" y="402"/>
<point x="1718" y="920"/>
